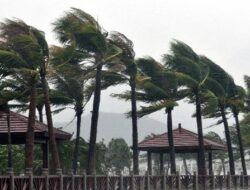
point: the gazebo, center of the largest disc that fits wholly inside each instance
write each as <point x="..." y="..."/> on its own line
<point x="185" y="141"/>
<point x="18" y="128"/>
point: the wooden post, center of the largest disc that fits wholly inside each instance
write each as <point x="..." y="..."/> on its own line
<point x="132" y="181"/>
<point x="178" y="180"/>
<point x="242" y="180"/>
<point x="47" y="182"/>
<point x="107" y="181"/>
<point x="149" y="162"/>
<point x="72" y="180"/>
<point x="148" y="180"/>
<point x="161" y="163"/>
<point x="228" y="180"/>
<point x="121" y="181"/>
<point x="195" y="181"/>
<point x="29" y="172"/>
<point x="45" y="173"/>
<point x="12" y="183"/>
<point x="164" y="181"/>
<point x="212" y="181"/>
<point x="95" y="181"/>
<point x="31" y="181"/>
<point x="59" y="173"/>
<point x="85" y="181"/>
<point x="210" y="162"/>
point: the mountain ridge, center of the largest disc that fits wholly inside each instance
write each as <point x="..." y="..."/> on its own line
<point x="115" y="125"/>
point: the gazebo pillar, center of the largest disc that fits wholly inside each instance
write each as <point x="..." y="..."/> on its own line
<point x="210" y="162"/>
<point x="161" y="163"/>
<point x="45" y="151"/>
<point x="149" y="157"/>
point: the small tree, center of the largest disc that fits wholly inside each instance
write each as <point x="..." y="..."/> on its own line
<point x="118" y="155"/>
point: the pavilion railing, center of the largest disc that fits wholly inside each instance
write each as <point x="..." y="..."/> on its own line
<point x="131" y="182"/>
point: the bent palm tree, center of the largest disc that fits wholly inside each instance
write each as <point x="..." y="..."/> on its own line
<point x="193" y="73"/>
<point x="128" y="72"/>
<point x="71" y="84"/>
<point x="162" y="92"/>
<point x="221" y="84"/>
<point x="236" y="103"/>
<point x="21" y="52"/>
<point x="80" y="30"/>
<point x="26" y="51"/>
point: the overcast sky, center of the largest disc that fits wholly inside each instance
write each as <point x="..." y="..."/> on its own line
<point x="218" y="29"/>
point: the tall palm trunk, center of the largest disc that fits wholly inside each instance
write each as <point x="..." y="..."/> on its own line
<point x="134" y="126"/>
<point x="228" y="138"/>
<point x="242" y="156"/>
<point x="94" y="121"/>
<point x="171" y="140"/>
<point x="52" y="140"/>
<point x="31" y="123"/>
<point x="201" y="153"/>
<point x="76" y="150"/>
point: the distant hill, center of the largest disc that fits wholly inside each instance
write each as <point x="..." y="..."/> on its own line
<point x="115" y="125"/>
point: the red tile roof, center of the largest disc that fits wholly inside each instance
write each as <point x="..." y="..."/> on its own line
<point x="19" y="123"/>
<point x="184" y="141"/>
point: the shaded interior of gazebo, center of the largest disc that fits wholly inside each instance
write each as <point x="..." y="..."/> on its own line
<point x="185" y="141"/>
<point x="18" y="128"/>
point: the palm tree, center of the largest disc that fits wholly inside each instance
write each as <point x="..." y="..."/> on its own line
<point x="193" y="74"/>
<point x="80" y="30"/>
<point x="236" y="103"/>
<point x="71" y="84"/>
<point x="26" y="51"/>
<point x="128" y="73"/>
<point x="221" y="84"/>
<point x="21" y="52"/>
<point x="162" y="92"/>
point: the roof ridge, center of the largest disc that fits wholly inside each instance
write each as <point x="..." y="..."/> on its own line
<point x="208" y="141"/>
<point x="156" y="136"/>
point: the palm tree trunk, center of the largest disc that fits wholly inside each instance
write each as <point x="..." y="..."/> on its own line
<point x="94" y="121"/>
<point x="228" y="138"/>
<point x="171" y="141"/>
<point x="76" y="150"/>
<point x="134" y="126"/>
<point x="242" y="156"/>
<point x="201" y="153"/>
<point x="31" y="123"/>
<point x="52" y="141"/>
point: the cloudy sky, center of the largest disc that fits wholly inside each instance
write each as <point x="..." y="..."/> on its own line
<point x="218" y="29"/>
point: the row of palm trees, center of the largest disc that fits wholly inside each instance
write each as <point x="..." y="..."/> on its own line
<point x="91" y="59"/>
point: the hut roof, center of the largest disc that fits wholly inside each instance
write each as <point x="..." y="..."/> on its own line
<point x="185" y="141"/>
<point x="18" y="129"/>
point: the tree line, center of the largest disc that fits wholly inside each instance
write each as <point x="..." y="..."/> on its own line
<point x="91" y="59"/>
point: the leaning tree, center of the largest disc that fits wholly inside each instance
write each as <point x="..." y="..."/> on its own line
<point x="80" y="30"/>
<point x="24" y="52"/>
<point x="192" y="74"/>
<point x="161" y="91"/>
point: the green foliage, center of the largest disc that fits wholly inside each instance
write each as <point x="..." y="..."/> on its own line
<point x="66" y="149"/>
<point x="118" y="155"/>
<point x="161" y="89"/>
<point x="18" y="159"/>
